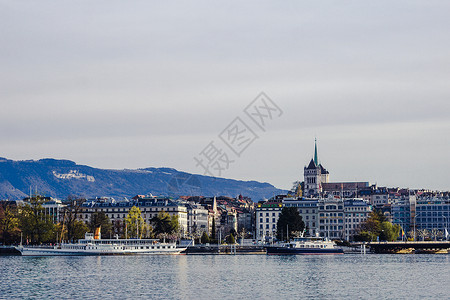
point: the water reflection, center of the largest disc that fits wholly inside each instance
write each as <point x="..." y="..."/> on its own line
<point x="226" y="276"/>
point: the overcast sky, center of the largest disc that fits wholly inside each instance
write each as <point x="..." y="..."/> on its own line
<point x="135" y="84"/>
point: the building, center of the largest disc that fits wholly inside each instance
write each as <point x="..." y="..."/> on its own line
<point x="403" y="211"/>
<point x="51" y="207"/>
<point x="117" y="211"/>
<point x="197" y="219"/>
<point x="356" y="211"/>
<point x="267" y="213"/>
<point x="308" y="210"/>
<point x="343" y="189"/>
<point x="432" y="214"/>
<point x="314" y="176"/>
<point x="331" y="218"/>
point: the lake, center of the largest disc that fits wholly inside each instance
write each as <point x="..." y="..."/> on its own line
<point x="226" y="277"/>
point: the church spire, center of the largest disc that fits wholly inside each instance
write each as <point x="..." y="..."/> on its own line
<point x="316" y="158"/>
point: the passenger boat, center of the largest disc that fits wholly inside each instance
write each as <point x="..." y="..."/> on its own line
<point x="91" y="246"/>
<point x="305" y="246"/>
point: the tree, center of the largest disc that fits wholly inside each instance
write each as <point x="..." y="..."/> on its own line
<point x="289" y="220"/>
<point x="79" y="229"/>
<point x="75" y="228"/>
<point x="164" y="224"/>
<point x="135" y="223"/>
<point x="174" y="224"/>
<point x="377" y="227"/>
<point x="205" y="238"/>
<point x="37" y="227"/>
<point x="230" y="239"/>
<point x="423" y="233"/>
<point x="9" y="224"/>
<point x="389" y="232"/>
<point x="100" y="219"/>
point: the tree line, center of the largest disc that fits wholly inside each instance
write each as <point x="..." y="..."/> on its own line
<point x="32" y="225"/>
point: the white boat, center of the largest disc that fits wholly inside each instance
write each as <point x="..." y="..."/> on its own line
<point x="91" y="246"/>
<point x="306" y="246"/>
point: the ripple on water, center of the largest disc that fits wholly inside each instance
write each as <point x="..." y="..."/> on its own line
<point x="226" y="277"/>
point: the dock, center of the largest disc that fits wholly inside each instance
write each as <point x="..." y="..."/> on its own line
<point x="418" y="247"/>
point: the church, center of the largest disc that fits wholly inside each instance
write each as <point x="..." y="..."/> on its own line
<point x="314" y="176"/>
<point x="317" y="182"/>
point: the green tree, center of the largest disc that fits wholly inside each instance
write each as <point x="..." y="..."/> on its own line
<point x="164" y="224"/>
<point x="78" y="230"/>
<point x="100" y="219"/>
<point x="365" y="236"/>
<point x="37" y="227"/>
<point x="377" y="227"/>
<point x="389" y="232"/>
<point x="135" y="223"/>
<point x="289" y="220"/>
<point x="230" y="239"/>
<point x="205" y="238"/>
<point x="9" y="224"/>
<point x="174" y="223"/>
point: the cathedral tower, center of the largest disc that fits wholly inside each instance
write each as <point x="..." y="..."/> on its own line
<point x="314" y="175"/>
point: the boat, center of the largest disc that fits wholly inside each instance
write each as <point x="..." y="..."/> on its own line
<point x="93" y="245"/>
<point x="305" y="246"/>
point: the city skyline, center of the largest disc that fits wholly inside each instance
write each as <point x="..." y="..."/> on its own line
<point x="114" y="85"/>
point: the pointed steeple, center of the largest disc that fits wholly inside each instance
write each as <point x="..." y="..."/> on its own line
<point x="316" y="158"/>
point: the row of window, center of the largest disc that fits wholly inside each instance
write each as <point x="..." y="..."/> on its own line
<point x="433" y="207"/>
<point x="331" y="214"/>
<point x="331" y="221"/>
<point x="141" y="208"/>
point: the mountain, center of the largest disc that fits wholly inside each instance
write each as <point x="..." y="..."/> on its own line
<point x="61" y="178"/>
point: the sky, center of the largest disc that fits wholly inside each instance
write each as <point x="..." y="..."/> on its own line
<point x="136" y="84"/>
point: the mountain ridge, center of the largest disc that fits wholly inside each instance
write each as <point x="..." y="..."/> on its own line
<point x="61" y="178"/>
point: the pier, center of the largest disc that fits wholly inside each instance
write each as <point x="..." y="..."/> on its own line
<point x="410" y="247"/>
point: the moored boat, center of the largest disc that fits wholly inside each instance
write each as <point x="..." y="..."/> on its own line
<point x="305" y="246"/>
<point x="91" y="246"/>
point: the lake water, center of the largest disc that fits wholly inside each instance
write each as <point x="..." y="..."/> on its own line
<point x="226" y="277"/>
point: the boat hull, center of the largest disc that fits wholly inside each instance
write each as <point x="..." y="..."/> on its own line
<point x="302" y="251"/>
<point x="37" y="251"/>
